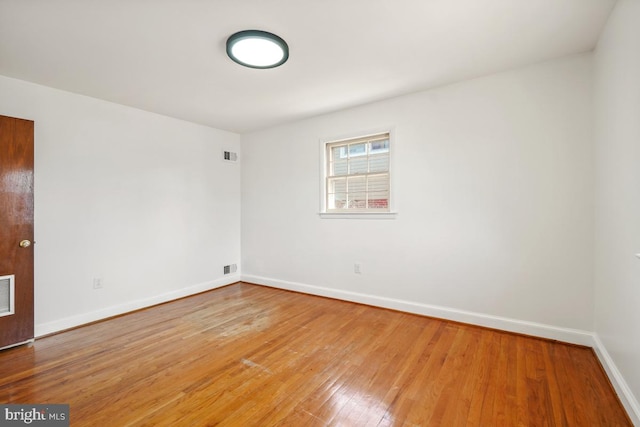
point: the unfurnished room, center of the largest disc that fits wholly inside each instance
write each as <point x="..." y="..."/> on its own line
<point x="320" y="213"/>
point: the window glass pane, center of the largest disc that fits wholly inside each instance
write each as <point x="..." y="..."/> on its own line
<point x="378" y="200"/>
<point x="337" y="185"/>
<point x="336" y="193"/>
<point x="379" y="163"/>
<point x="356" y="150"/>
<point x="378" y="183"/>
<point x="338" y="152"/>
<point x="357" y="184"/>
<point x="338" y="165"/>
<point x="357" y="192"/>
<point x="337" y="201"/>
<point x="357" y="200"/>
<point x="381" y="146"/>
<point x="358" y="165"/>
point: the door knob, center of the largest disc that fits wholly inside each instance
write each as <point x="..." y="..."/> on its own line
<point x="25" y="243"/>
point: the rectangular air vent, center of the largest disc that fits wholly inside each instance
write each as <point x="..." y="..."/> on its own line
<point x="229" y="156"/>
<point x="232" y="268"/>
<point x="7" y="296"/>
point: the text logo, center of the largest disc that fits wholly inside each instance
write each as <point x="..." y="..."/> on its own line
<point x="54" y="415"/>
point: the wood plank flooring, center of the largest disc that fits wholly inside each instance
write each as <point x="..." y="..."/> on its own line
<point x="246" y="355"/>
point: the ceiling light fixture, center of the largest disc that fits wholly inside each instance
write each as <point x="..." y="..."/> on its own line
<point x="257" y="49"/>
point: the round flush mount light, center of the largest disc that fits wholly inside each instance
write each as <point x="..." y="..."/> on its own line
<point x="257" y="49"/>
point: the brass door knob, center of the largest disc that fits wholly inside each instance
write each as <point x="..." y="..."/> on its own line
<point x="25" y="243"/>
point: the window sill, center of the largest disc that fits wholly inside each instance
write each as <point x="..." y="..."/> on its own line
<point x="358" y="215"/>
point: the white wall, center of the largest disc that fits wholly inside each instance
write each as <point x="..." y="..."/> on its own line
<point x="141" y="200"/>
<point x="494" y="189"/>
<point x="617" y="139"/>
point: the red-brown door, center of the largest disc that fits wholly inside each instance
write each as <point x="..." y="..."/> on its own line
<point x="16" y="231"/>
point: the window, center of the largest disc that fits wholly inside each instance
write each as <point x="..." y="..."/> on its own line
<point x="357" y="175"/>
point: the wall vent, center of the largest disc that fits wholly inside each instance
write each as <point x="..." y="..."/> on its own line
<point x="7" y="295"/>
<point x="229" y="156"/>
<point x="232" y="268"/>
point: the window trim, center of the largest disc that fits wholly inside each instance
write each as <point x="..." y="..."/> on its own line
<point x="359" y="214"/>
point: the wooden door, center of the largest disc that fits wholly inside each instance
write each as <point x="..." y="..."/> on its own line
<point x="16" y="231"/>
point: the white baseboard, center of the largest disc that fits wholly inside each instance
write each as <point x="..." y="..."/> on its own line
<point x="573" y="336"/>
<point x="81" y="319"/>
<point x="624" y="392"/>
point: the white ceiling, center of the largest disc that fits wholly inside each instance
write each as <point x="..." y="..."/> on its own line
<point x="168" y="56"/>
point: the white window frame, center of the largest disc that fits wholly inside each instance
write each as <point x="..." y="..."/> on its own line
<point x="391" y="213"/>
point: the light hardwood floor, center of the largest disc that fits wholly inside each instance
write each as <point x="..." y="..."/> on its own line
<point x="246" y="355"/>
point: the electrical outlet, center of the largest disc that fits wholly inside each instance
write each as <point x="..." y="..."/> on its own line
<point x="97" y="283"/>
<point x="357" y="268"/>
